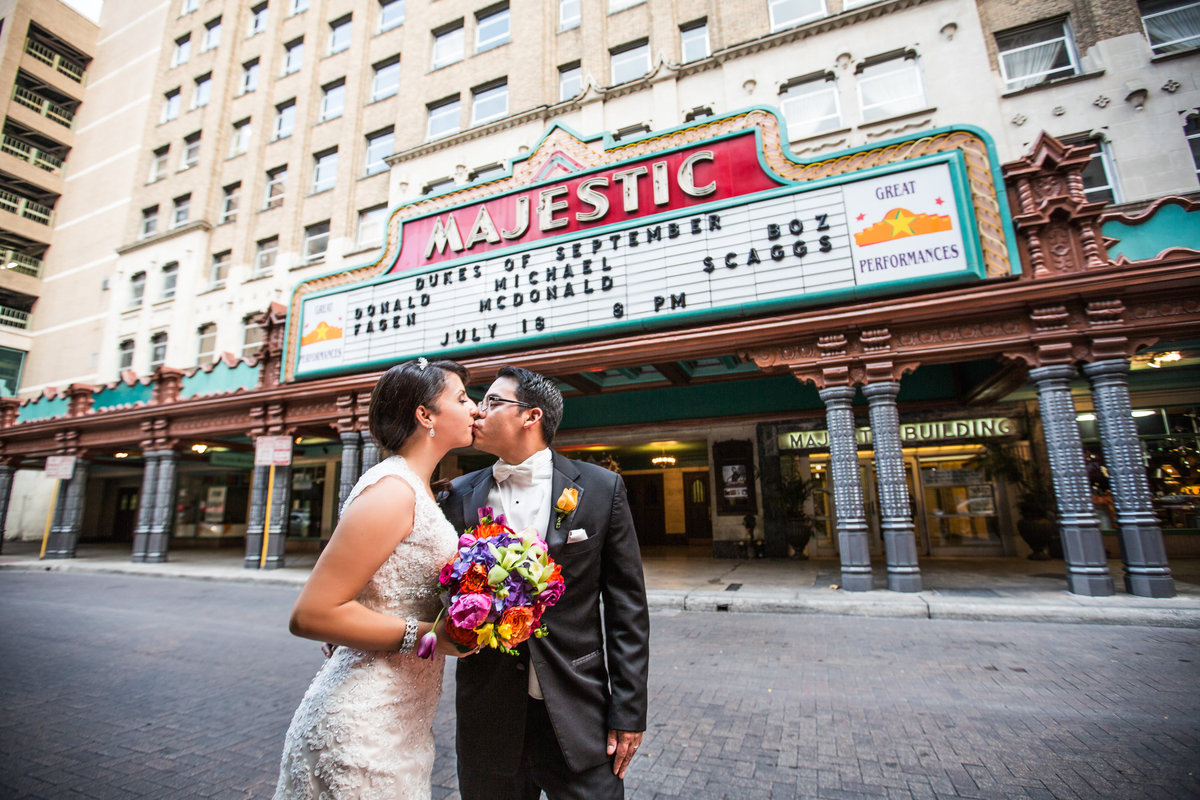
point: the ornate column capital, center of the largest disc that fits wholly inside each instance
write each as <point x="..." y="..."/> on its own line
<point x="79" y="399"/>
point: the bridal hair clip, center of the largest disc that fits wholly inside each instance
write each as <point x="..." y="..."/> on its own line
<point x="422" y="363"/>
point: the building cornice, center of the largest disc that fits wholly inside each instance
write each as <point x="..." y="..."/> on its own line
<point x="149" y="241"/>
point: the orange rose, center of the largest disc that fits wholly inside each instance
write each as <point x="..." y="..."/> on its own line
<point x="515" y="626"/>
<point x="474" y="580"/>
<point x="459" y="636"/>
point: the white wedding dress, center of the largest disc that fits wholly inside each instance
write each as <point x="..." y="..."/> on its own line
<point x="365" y="727"/>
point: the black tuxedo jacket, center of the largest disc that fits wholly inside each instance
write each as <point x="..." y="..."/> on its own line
<point x="592" y="666"/>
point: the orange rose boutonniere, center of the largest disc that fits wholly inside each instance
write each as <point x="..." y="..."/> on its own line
<point x="565" y="505"/>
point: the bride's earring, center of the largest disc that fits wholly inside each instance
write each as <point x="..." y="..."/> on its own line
<point x="430" y="431"/>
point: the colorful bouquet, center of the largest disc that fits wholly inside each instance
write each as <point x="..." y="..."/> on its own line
<point x="496" y="587"/>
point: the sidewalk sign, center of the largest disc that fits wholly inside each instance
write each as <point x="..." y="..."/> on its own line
<point x="270" y="451"/>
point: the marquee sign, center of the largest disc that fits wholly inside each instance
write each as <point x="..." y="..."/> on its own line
<point x="704" y="231"/>
<point x="911" y="433"/>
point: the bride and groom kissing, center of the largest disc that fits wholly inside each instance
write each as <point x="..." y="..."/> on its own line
<point x="565" y="715"/>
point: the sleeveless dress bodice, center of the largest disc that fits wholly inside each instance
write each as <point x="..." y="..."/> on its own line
<point x="365" y="726"/>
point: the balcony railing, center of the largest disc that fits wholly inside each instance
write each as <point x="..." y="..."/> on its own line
<point x="14" y="317"/>
<point x="47" y="108"/>
<point x="35" y="156"/>
<point x="53" y="59"/>
<point x="20" y="262"/>
<point x="25" y="207"/>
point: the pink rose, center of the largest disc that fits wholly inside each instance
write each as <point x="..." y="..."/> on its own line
<point x="447" y="574"/>
<point x="469" y="611"/>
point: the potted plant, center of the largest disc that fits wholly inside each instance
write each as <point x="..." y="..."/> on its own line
<point x="794" y="496"/>
<point x="1037" y="524"/>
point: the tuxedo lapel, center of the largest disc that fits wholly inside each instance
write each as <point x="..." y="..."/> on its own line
<point x="477" y="498"/>
<point x="566" y="475"/>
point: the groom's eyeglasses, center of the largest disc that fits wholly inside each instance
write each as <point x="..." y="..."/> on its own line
<point x="492" y="400"/>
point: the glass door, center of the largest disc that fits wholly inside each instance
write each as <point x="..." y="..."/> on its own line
<point x="959" y="507"/>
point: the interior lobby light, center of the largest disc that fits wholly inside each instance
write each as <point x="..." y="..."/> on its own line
<point x="199" y="448"/>
<point x="1144" y="412"/>
<point x="1163" y="358"/>
<point x="1085" y="418"/>
<point x="120" y="455"/>
<point x="663" y="460"/>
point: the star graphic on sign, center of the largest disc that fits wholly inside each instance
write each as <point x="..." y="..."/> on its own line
<point x="901" y="224"/>
<point x="939" y="201"/>
<point x="861" y="217"/>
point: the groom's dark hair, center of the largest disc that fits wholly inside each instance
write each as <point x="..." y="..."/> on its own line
<point x="539" y="391"/>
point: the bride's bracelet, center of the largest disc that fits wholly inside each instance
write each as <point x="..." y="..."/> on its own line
<point x="410" y="636"/>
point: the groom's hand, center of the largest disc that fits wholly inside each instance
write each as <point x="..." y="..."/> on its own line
<point x="621" y="746"/>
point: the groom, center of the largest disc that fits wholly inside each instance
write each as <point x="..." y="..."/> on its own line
<point x="566" y="715"/>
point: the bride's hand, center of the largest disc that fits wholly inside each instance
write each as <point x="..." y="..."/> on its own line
<point x="447" y="647"/>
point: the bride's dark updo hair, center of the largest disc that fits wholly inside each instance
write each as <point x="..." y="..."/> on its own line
<point x="394" y="401"/>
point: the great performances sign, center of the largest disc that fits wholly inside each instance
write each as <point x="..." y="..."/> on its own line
<point x="702" y="232"/>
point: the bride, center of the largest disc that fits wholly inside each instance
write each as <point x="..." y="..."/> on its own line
<point x="365" y="727"/>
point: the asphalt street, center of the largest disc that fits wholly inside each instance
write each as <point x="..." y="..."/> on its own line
<point x="123" y="687"/>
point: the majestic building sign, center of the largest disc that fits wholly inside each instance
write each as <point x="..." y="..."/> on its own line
<point x="911" y="433"/>
<point x="700" y="232"/>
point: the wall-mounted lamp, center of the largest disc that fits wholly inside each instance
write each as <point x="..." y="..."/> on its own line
<point x="200" y="448"/>
<point x="1137" y="98"/>
<point x="120" y="455"/>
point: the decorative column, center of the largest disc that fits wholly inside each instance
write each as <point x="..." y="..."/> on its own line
<point x="351" y="444"/>
<point x="899" y="537"/>
<point x="847" y="489"/>
<point x="258" y="515"/>
<point x="6" y="483"/>
<point x="141" y="533"/>
<point x="370" y="451"/>
<point x="162" y="513"/>
<point x="64" y="533"/>
<point x="1142" y="548"/>
<point x="1083" y="546"/>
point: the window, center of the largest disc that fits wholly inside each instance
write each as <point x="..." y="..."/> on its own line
<point x="170" y="105"/>
<point x="438" y="186"/>
<point x="487" y="173"/>
<point x="380" y="145"/>
<point x="158" y="163"/>
<point x="489" y="103"/>
<point x="568" y="14"/>
<point x="203" y="91"/>
<point x="241" y="137"/>
<point x="630" y="61"/>
<point x="206" y="346"/>
<point x="316" y="241"/>
<point x="191" y="151"/>
<point x="183" y="50"/>
<point x="219" y="272"/>
<point x="491" y="28"/>
<point x="276" y="183"/>
<point x="189" y="6"/>
<point x="387" y="79"/>
<point x="370" y="226"/>
<point x="391" y="14"/>
<point x="230" y="196"/>
<point x="212" y="34"/>
<point x="137" y="289"/>
<point x="811" y="107"/>
<point x="1099" y="176"/>
<point x="258" y="19"/>
<point x="325" y="170"/>
<point x="448" y="45"/>
<point x="249" y="76"/>
<point x="158" y="350"/>
<point x="1036" y="54"/>
<point x="264" y="258"/>
<point x="1172" y="26"/>
<point x="570" y="81"/>
<point x="125" y="355"/>
<point x="293" y="56"/>
<point x="298" y="6"/>
<point x="621" y="5"/>
<point x="182" y="208"/>
<point x="170" y="277"/>
<point x="889" y="88"/>
<point x="444" y="117"/>
<point x="1191" y="130"/>
<point x="693" y="41"/>
<point x="252" y="335"/>
<point x="149" y="221"/>
<point x="339" y="34"/>
<point x="787" y="13"/>
<point x="285" y="119"/>
<point x="333" y="100"/>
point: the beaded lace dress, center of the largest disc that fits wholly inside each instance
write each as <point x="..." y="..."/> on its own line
<point x="365" y="726"/>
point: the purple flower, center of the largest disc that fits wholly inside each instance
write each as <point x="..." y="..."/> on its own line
<point x="470" y="610"/>
<point x="426" y="645"/>
<point x="485" y="513"/>
<point x="466" y="540"/>
<point x="551" y="593"/>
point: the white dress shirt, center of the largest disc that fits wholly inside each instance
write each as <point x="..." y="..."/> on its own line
<point x="523" y="496"/>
